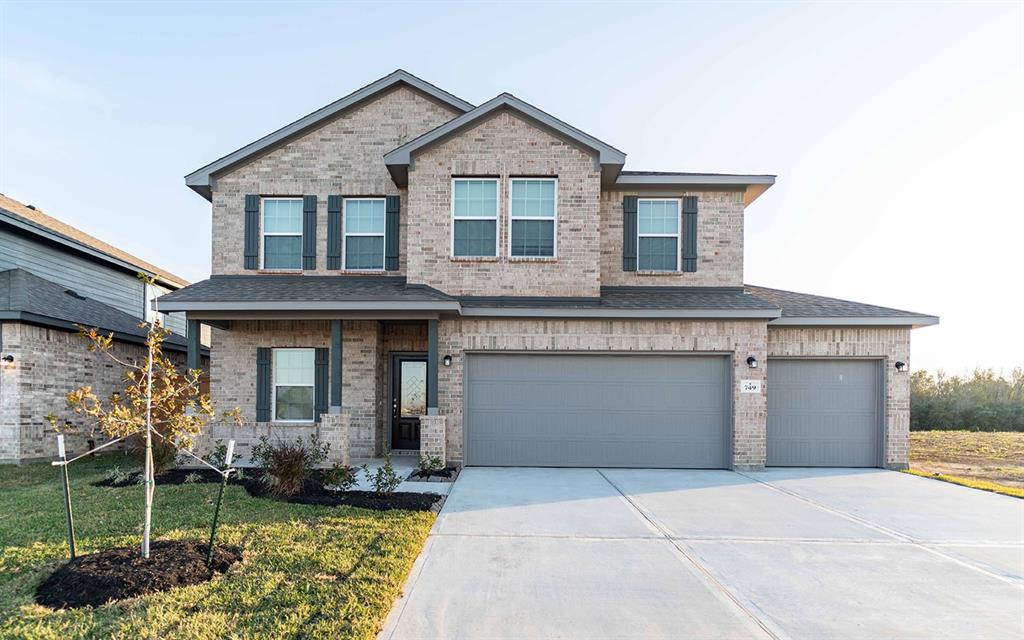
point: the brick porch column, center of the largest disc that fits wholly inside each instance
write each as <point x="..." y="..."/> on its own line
<point x="432" y="437"/>
<point x="333" y="429"/>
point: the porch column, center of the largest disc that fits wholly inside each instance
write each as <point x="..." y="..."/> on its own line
<point x="432" y="368"/>
<point x="193" y="331"/>
<point x="335" y="367"/>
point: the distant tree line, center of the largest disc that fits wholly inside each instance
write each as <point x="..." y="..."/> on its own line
<point x="981" y="402"/>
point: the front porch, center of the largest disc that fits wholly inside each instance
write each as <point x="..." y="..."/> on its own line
<point x="363" y="386"/>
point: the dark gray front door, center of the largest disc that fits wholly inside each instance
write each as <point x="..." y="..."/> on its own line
<point x="408" y="400"/>
<point x="597" y="410"/>
<point x="824" y="413"/>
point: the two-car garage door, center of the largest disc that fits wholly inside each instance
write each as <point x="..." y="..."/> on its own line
<point x="604" y="410"/>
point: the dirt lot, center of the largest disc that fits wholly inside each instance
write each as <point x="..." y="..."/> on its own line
<point x="992" y="456"/>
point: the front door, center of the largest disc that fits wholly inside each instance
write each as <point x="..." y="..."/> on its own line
<point x="408" y="400"/>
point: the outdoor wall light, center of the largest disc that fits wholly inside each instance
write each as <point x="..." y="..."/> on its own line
<point x="8" y="358"/>
<point x="447" y="360"/>
<point x="752" y="362"/>
<point x="901" y="366"/>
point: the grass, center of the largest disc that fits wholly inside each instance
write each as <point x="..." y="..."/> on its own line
<point x="988" y="460"/>
<point x="311" y="572"/>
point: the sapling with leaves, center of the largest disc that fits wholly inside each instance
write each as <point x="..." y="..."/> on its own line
<point x="159" y="400"/>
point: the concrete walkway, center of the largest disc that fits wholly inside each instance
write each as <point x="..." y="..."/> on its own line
<point x="797" y="553"/>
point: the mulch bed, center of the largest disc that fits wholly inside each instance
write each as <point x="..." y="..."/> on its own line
<point x="313" y="491"/>
<point x="120" y="573"/>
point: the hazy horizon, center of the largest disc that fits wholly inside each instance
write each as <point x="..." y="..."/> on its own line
<point x="895" y="129"/>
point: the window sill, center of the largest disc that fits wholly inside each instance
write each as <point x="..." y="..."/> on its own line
<point x="281" y="271"/>
<point x="365" y="272"/>
<point x="533" y="259"/>
<point x="658" y="273"/>
<point x="475" y="258"/>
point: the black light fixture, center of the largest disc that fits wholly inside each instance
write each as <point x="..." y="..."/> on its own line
<point x="901" y="366"/>
<point x="447" y="360"/>
<point x="752" y="362"/>
<point x="8" y="358"/>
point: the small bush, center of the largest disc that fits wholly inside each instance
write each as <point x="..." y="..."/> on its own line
<point x="341" y="476"/>
<point x="429" y="465"/>
<point x="384" y="480"/>
<point x="287" y="465"/>
<point x="219" y="454"/>
<point x="165" y="454"/>
<point x="117" y="475"/>
<point x="192" y="478"/>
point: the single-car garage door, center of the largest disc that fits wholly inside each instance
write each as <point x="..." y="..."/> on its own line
<point x="597" y="410"/>
<point x="824" y="413"/>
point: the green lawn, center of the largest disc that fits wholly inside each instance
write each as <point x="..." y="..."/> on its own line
<point x="314" y="572"/>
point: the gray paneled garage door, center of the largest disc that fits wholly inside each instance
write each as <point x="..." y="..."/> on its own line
<point x="597" y="410"/>
<point x="824" y="413"/>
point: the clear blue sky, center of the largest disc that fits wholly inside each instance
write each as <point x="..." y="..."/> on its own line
<point x="896" y="130"/>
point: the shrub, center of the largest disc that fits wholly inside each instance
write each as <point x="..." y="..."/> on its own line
<point x="219" y="454"/>
<point x="165" y="454"/>
<point x="118" y="476"/>
<point x="384" y="480"/>
<point x="287" y="465"/>
<point x="192" y="478"/>
<point x="341" y="476"/>
<point x="429" y="465"/>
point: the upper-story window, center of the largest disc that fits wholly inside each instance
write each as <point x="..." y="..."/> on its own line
<point x="364" y="233"/>
<point x="532" y="217"/>
<point x="658" y="235"/>
<point x="475" y="217"/>
<point x="294" y="377"/>
<point x="282" y="233"/>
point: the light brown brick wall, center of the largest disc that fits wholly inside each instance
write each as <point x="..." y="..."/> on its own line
<point x="233" y="376"/>
<point x="739" y="338"/>
<point x="719" y="242"/>
<point x="888" y="343"/>
<point x="505" y="145"/>
<point x="342" y="157"/>
<point x="48" y="363"/>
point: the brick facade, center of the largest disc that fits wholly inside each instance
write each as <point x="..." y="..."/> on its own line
<point x="343" y="157"/>
<point x="505" y="146"/>
<point x="48" y="363"/>
<point x="891" y="344"/>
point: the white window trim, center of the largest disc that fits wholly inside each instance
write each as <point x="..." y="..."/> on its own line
<point x="678" y="235"/>
<point x="554" y="220"/>
<point x="264" y="234"/>
<point x="345" y="235"/>
<point x="274" y="385"/>
<point x="496" y="217"/>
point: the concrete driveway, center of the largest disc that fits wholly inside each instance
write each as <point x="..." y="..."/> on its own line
<point x="796" y="553"/>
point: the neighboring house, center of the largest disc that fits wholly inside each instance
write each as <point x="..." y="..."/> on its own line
<point x="52" y="278"/>
<point x="404" y="271"/>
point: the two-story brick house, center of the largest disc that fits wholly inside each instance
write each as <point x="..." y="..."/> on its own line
<point x="402" y="271"/>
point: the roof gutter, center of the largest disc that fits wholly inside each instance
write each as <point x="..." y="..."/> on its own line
<point x="863" y="321"/>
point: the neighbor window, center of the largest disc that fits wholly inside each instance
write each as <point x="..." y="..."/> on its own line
<point x="658" y="235"/>
<point x="475" y="217"/>
<point x="293" y="385"/>
<point x="282" y="233"/>
<point x="532" y="217"/>
<point x="364" y="220"/>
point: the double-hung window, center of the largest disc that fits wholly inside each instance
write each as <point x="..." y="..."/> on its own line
<point x="532" y="217"/>
<point x="282" y="233"/>
<point x="293" y="371"/>
<point x="658" y="235"/>
<point x="475" y="217"/>
<point x="364" y="233"/>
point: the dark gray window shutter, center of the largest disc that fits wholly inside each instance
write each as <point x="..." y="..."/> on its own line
<point x="309" y="232"/>
<point x="629" y="237"/>
<point x="320" y="383"/>
<point x="262" y="384"/>
<point x="392" y="206"/>
<point x="333" y="232"/>
<point x="689" y="233"/>
<point x="252" y="232"/>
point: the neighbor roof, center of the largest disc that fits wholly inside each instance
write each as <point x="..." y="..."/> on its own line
<point x="808" y="309"/>
<point x="200" y="179"/>
<point x="610" y="158"/>
<point x="29" y="218"/>
<point x="25" y="297"/>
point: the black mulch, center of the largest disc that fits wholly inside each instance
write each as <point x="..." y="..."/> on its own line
<point x="120" y="573"/>
<point x="313" y="491"/>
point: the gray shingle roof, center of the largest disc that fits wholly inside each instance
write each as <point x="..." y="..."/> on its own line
<point x="27" y="297"/>
<point x="805" y="305"/>
<point x="635" y="298"/>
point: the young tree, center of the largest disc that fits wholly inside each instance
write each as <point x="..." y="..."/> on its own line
<point x="159" y="400"/>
